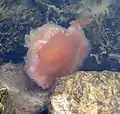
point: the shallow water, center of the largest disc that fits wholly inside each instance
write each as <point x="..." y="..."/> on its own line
<point x="18" y="17"/>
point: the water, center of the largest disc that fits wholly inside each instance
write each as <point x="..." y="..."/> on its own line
<point x="18" y="17"/>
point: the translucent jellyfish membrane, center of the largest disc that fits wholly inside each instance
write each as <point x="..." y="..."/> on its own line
<point x="55" y="51"/>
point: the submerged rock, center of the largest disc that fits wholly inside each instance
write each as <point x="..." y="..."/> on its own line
<point x="22" y="95"/>
<point x="3" y="92"/>
<point x="80" y="93"/>
<point x="1" y="108"/>
<point x="87" y="93"/>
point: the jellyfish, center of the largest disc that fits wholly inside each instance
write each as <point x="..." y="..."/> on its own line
<point x="54" y="51"/>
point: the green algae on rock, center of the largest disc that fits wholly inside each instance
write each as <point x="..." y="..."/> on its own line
<point x="87" y="92"/>
<point x="1" y="108"/>
<point x="3" y="94"/>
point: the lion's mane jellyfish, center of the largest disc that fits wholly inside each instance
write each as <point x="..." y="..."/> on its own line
<point x="55" y="51"/>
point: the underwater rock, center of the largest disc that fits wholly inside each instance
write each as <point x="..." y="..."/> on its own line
<point x="3" y="93"/>
<point x="1" y="108"/>
<point x="22" y="96"/>
<point x="87" y="93"/>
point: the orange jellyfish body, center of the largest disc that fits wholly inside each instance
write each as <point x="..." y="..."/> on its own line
<point x="55" y="51"/>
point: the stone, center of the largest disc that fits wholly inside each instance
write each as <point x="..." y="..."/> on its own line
<point x="18" y="94"/>
<point x="87" y="93"/>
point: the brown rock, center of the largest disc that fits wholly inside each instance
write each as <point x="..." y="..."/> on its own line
<point x="87" y="93"/>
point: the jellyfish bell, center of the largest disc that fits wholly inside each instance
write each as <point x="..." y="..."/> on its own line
<point x="55" y="51"/>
